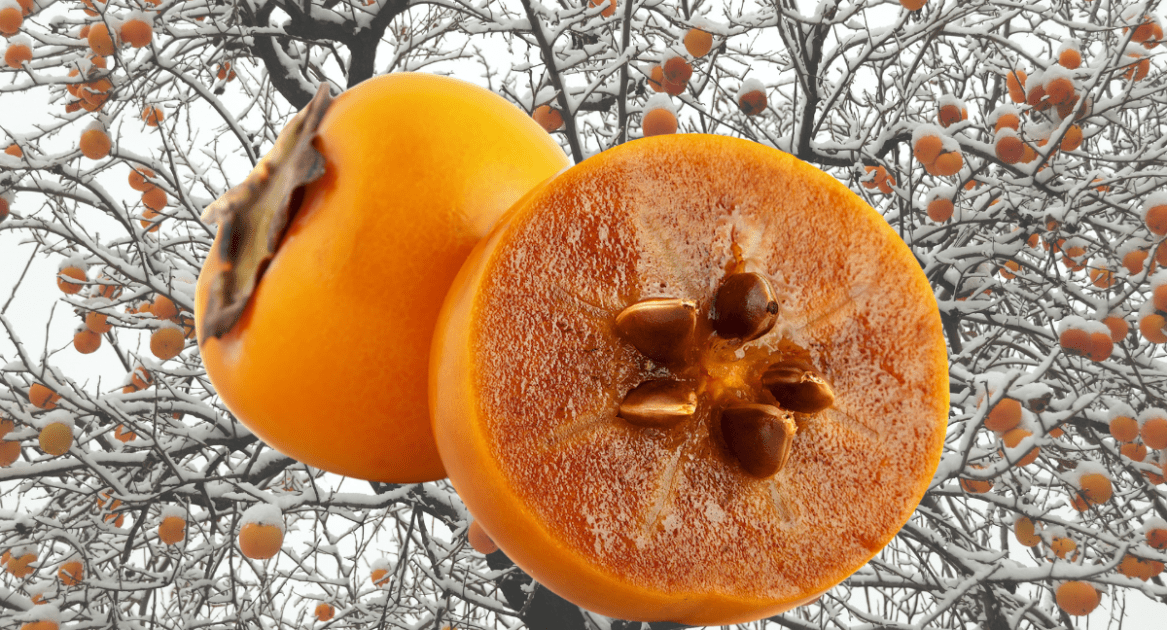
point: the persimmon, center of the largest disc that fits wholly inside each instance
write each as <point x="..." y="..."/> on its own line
<point x="1059" y="89"/>
<point x="659" y="121"/>
<point x="1102" y="278"/>
<point x="172" y="530"/>
<point x="324" y="611"/>
<point x="1008" y="146"/>
<point x="609" y="6"/>
<point x="225" y="72"/>
<point x="152" y="115"/>
<point x="1077" y="598"/>
<point x="141" y="378"/>
<point x="362" y="350"/>
<point x="97" y="322"/>
<point x="1072" y="139"/>
<point x="676" y="70"/>
<point x="949" y="163"/>
<point x="1096" y="487"/>
<point x="1156" y="533"/>
<point x="729" y="456"/>
<point x="1026" y="532"/>
<point x="1007" y="121"/>
<point x="940" y="209"/>
<point x="928" y="145"/>
<point x="167" y="342"/>
<point x="260" y="541"/>
<point x="976" y="486"/>
<point x="20" y="563"/>
<point x="10" y="21"/>
<point x="656" y="79"/>
<point x="71" y="279"/>
<point x="43" y="624"/>
<point x="86" y="341"/>
<point x="42" y="397"/>
<point x="9" y="449"/>
<point x="1153" y="328"/>
<point x="1015" y="82"/>
<point x="1075" y="341"/>
<point x="17" y="54"/>
<point x="1012" y="438"/>
<point x="1100" y="346"/>
<point x="100" y="40"/>
<point x="1134" y="452"/>
<point x="14" y="150"/>
<point x="1070" y="59"/>
<point x="71" y="572"/>
<point x="951" y="113"/>
<point x="1155" y="216"/>
<point x="751" y="99"/>
<point x="136" y="32"/>
<point x="140" y="179"/>
<point x="479" y="540"/>
<point x="548" y="118"/>
<point x="913" y="5"/>
<point x="1063" y="546"/>
<point x="1153" y="428"/>
<point x="95" y="143"/>
<point x="154" y="199"/>
<point x="1139" y="568"/>
<point x="164" y="308"/>
<point x="123" y="434"/>
<point x="5" y="205"/>
<point x="698" y="42"/>
<point x="1124" y="428"/>
<point x="56" y="438"/>
<point x="379" y="576"/>
<point x="1004" y="415"/>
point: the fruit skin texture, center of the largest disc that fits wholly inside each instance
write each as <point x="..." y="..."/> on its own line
<point x="405" y="196"/>
<point x="599" y="564"/>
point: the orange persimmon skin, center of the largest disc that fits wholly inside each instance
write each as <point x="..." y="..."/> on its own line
<point x="404" y="199"/>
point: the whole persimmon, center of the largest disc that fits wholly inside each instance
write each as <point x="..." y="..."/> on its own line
<point x="404" y="174"/>
<point x="722" y="391"/>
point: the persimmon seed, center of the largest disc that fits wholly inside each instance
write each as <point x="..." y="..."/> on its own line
<point x="799" y="387"/>
<point x="759" y="436"/>
<point x="659" y="403"/>
<point x="659" y="327"/>
<point x="745" y="307"/>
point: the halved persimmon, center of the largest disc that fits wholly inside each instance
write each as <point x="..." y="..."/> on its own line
<point x="691" y="379"/>
<point x="317" y="335"/>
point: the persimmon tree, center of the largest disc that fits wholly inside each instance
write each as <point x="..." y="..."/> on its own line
<point x="1016" y="147"/>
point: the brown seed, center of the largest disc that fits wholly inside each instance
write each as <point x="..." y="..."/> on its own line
<point x="797" y="386"/>
<point x="658" y="327"/>
<point x="745" y="307"/>
<point x="759" y="436"/>
<point x="659" y="403"/>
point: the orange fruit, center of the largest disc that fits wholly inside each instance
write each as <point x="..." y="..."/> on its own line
<point x="56" y="438"/>
<point x="752" y="103"/>
<point x="16" y="55"/>
<point x="1156" y="219"/>
<point x="479" y="540"/>
<point x="1154" y="432"/>
<point x="656" y="79"/>
<point x="1007" y="121"/>
<point x="1135" y="260"/>
<point x="1004" y="415"/>
<point x="976" y="486"/>
<point x="1075" y="341"/>
<point x="379" y="577"/>
<point x="1153" y="328"/>
<point x="70" y="280"/>
<point x="1070" y="59"/>
<point x="95" y="144"/>
<point x="98" y="322"/>
<point x="1012" y="438"/>
<point x="1138" y="568"/>
<point x="1026" y="532"/>
<point x="950" y="114"/>
<point x="164" y="308"/>
<point x="1077" y="598"/>
<point x="167" y="342"/>
<point x="152" y="115"/>
<point x="136" y="33"/>
<point x="1015" y="82"/>
<point x="122" y="434"/>
<point x="10" y="21"/>
<point x="260" y="541"/>
<point x="748" y="444"/>
<point x="1136" y="452"/>
<point x="86" y="341"/>
<point x="609" y="6"/>
<point x="9" y="449"/>
<point x="140" y="378"/>
<point x="43" y="624"/>
<point x="324" y="611"/>
<point x="940" y="210"/>
<point x="1073" y="138"/>
<point x="154" y="199"/>
<point x="139" y="179"/>
<point x="1063" y="547"/>
<point x="42" y="397"/>
<point x="677" y="70"/>
<point x="659" y="121"/>
<point x="1100" y="347"/>
<point x="363" y="341"/>
<point x="1124" y="428"/>
<point x="70" y="573"/>
<point x="1157" y="537"/>
<point x="928" y="148"/>
<point x="948" y="164"/>
<point x="548" y="118"/>
<point x="99" y="40"/>
<point x="1009" y="148"/>
<point x="913" y="5"/>
<point x="14" y="150"/>
<point x="225" y="72"/>
<point x="21" y="566"/>
<point x="172" y="530"/>
<point x="1096" y="487"/>
<point x="1059" y="90"/>
<point x="698" y="42"/>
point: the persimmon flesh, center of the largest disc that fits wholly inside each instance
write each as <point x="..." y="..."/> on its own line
<point x="328" y="359"/>
<point x="691" y="379"/>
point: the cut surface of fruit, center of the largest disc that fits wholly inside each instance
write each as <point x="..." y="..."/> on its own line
<point x="403" y="197"/>
<point x="690" y="485"/>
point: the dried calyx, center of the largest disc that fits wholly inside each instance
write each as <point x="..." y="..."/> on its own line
<point x="254" y="215"/>
<point x="752" y="396"/>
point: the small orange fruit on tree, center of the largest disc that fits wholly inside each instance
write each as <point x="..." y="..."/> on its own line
<point x="1094" y="483"/>
<point x="951" y="110"/>
<point x="1156" y="533"/>
<point x="1008" y="146"/>
<point x="976" y="486"/>
<point x="740" y="437"/>
<point x="379" y="572"/>
<point x="71" y="277"/>
<point x="1153" y="428"/>
<point x="609" y="6"/>
<point x="324" y="611"/>
<point x="152" y="115"/>
<point x="1004" y="416"/>
<point x="1155" y="213"/>
<point x="1012" y="438"/>
<point x="261" y="534"/>
<point x="913" y="5"/>
<point x="1078" y="598"/>
<point x="18" y="52"/>
<point x="9" y="449"/>
<point x="56" y="434"/>
<point x="167" y="341"/>
<point x="137" y="30"/>
<point x="1015" y="82"/>
<point x="548" y="118"/>
<point x="71" y="572"/>
<point x="172" y="528"/>
<point x="938" y="203"/>
<point x="95" y="143"/>
<point x="927" y="143"/>
<point x="364" y="322"/>
<point x="751" y="97"/>
<point x="1123" y="426"/>
<point x="20" y="561"/>
<point x="11" y="19"/>
<point x="660" y="116"/>
<point x="85" y="341"/>
<point x="42" y="397"/>
<point x="1069" y="56"/>
<point x="1026" y="532"/>
<point x="140" y="179"/>
<point x="698" y="42"/>
<point x="100" y="40"/>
